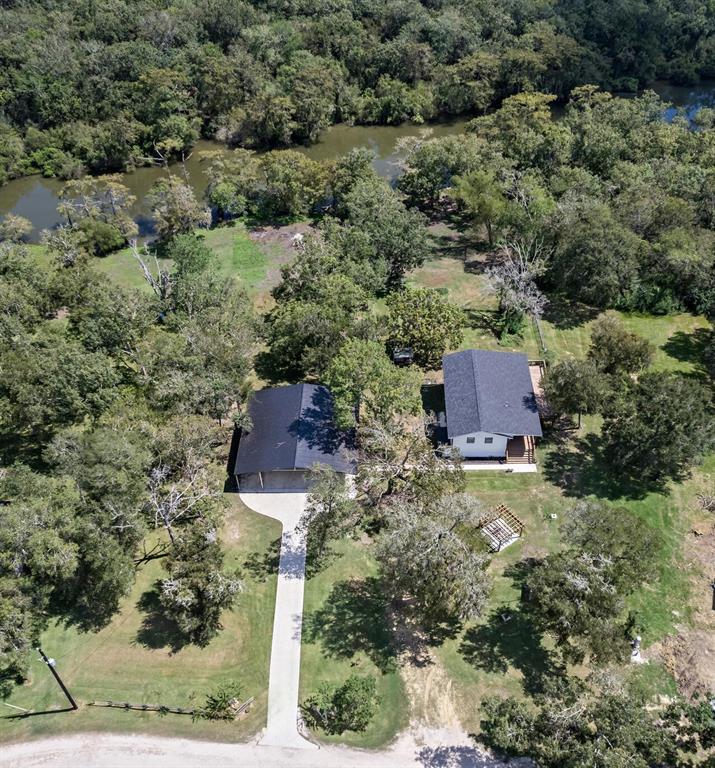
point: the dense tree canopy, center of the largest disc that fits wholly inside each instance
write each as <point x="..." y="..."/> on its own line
<point x="576" y="726"/>
<point x="578" y="595"/>
<point x="114" y="84"/>
<point x="425" y="321"/>
<point x="112" y="407"/>
<point x="365" y="383"/>
<point x="618" y="200"/>
<point x="659" y="427"/>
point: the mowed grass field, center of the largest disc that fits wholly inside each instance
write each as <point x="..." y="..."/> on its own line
<point x="678" y="338"/>
<point x="345" y="632"/>
<point x="236" y="255"/>
<point x="132" y="659"/>
<point x="506" y="657"/>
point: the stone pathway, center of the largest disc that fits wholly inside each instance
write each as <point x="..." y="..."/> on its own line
<point x="284" y="677"/>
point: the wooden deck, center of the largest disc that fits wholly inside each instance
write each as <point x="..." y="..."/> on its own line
<point x="537" y="370"/>
<point x="520" y="450"/>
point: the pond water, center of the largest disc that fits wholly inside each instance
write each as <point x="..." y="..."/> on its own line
<point x="690" y="98"/>
<point x="36" y="198"/>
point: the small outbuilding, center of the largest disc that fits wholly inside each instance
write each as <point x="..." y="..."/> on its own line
<point x="490" y="404"/>
<point x="292" y="429"/>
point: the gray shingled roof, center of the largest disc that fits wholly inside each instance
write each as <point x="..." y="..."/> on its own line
<point x="292" y="428"/>
<point x="489" y="392"/>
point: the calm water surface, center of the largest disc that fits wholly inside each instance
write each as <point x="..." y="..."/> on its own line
<point x="36" y="198"/>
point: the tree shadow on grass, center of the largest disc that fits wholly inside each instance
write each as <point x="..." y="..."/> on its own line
<point x="157" y="629"/>
<point x="499" y="644"/>
<point x="580" y="468"/>
<point x="692" y="348"/>
<point x="485" y="321"/>
<point x="261" y="565"/>
<point x="316" y="563"/>
<point x="565" y="314"/>
<point x="449" y="244"/>
<point x="352" y="619"/>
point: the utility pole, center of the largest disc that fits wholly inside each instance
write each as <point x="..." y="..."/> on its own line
<point x="51" y="664"/>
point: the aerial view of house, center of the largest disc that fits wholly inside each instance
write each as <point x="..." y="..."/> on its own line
<point x="290" y="430"/>
<point x="357" y="383"/>
<point x="491" y="407"/>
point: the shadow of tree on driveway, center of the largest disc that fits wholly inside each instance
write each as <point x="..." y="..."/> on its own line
<point x="352" y="619"/>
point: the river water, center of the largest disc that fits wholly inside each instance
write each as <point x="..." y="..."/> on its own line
<point x="36" y="198"/>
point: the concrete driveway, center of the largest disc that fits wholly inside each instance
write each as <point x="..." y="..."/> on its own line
<point x="283" y="683"/>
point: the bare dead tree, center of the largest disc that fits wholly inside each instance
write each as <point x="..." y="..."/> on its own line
<point x="159" y="280"/>
<point x="65" y="243"/>
<point x="513" y="279"/>
<point x="172" y="501"/>
<point x="184" y="169"/>
<point x="397" y="460"/>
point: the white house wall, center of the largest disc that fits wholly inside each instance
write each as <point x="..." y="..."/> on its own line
<point x="479" y="449"/>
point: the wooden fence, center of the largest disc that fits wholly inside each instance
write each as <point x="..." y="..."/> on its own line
<point x="239" y="710"/>
<point x="540" y="335"/>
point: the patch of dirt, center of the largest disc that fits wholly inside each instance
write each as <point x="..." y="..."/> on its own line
<point x="428" y="687"/>
<point x="690" y="658"/>
<point x="231" y="530"/>
<point x="690" y="655"/>
<point x="277" y="244"/>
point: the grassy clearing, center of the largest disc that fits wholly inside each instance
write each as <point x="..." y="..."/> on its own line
<point x="491" y="656"/>
<point x="236" y="254"/>
<point x="678" y="338"/>
<point x="345" y="632"/>
<point x="132" y="660"/>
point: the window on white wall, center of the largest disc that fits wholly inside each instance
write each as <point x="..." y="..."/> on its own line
<point x="471" y="440"/>
<point x="488" y="440"/>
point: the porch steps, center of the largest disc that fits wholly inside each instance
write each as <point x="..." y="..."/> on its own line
<point x="520" y="450"/>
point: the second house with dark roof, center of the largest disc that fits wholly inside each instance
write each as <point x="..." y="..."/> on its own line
<point x="491" y="407"/>
<point x="291" y="430"/>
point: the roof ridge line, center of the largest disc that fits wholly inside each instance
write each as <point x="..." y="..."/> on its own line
<point x="473" y="356"/>
<point x="297" y="418"/>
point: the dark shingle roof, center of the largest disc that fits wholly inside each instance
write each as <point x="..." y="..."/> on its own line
<point x="292" y="428"/>
<point x="489" y="392"/>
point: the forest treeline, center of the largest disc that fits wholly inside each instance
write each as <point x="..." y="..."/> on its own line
<point x="106" y="85"/>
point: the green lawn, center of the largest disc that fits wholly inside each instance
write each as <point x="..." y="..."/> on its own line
<point x="345" y="632"/>
<point x="493" y="656"/>
<point x="678" y="338"/>
<point x="132" y="660"/>
<point x="236" y="254"/>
